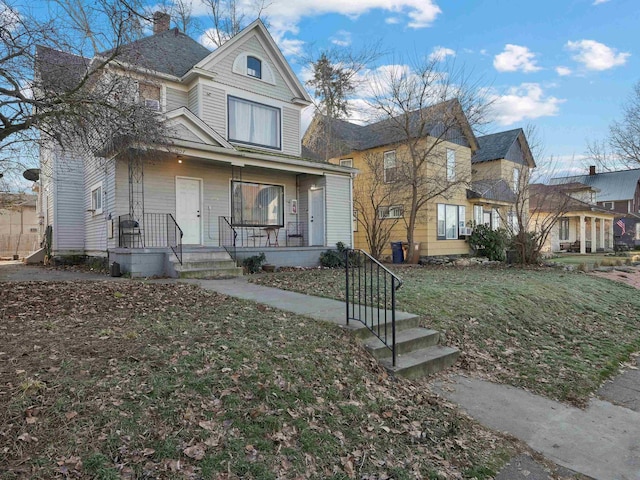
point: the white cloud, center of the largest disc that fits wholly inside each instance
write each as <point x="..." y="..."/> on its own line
<point x="514" y="58"/>
<point x="342" y="38"/>
<point x="595" y="55"/>
<point x="9" y="17"/>
<point x="527" y="101"/>
<point x="484" y="52"/>
<point x="598" y="2"/>
<point x="392" y="20"/>
<point x="440" y="53"/>
<point x="291" y="47"/>
<point x="206" y="38"/>
<point x="563" y="71"/>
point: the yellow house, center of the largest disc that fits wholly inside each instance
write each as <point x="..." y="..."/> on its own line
<point x="460" y="181"/>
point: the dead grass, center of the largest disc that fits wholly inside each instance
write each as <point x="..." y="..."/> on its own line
<point x="555" y="333"/>
<point x="126" y="380"/>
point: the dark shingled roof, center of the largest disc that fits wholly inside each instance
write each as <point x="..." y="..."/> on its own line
<point x="619" y="185"/>
<point x="553" y="198"/>
<point x="497" y="190"/>
<point x="495" y="146"/>
<point x="347" y="136"/>
<point x="59" y="71"/>
<point x="171" y="52"/>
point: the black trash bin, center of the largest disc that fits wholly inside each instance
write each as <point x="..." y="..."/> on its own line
<point x="397" y="254"/>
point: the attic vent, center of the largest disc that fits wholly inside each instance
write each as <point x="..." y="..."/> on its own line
<point x="152" y="104"/>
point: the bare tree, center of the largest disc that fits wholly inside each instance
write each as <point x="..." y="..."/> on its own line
<point x="373" y="200"/>
<point x="420" y="108"/>
<point x="181" y="12"/>
<point x="74" y="98"/>
<point x="229" y="17"/>
<point x="624" y="135"/>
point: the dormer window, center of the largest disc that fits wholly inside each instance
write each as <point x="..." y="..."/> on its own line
<point x="254" y="67"/>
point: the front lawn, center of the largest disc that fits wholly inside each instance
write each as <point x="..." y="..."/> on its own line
<point x="556" y="333"/>
<point x="590" y="259"/>
<point x="127" y="380"/>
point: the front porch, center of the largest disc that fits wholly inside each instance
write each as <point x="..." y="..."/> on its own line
<point x="584" y="233"/>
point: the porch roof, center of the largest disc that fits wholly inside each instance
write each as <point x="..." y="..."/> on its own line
<point x="242" y="157"/>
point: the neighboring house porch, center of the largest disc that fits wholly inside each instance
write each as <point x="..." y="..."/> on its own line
<point x="583" y="233"/>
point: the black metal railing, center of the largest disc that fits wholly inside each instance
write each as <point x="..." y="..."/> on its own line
<point x="155" y="230"/>
<point x="227" y="237"/>
<point x="371" y="296"/>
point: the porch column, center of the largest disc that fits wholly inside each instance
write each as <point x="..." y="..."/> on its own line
<point x="602" y="224"/>
<point x="583" y="235"/>
<point x="593" y="235"/>
<point x="611" y="239"/>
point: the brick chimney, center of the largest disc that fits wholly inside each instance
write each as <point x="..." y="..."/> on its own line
<point x="161" y="22"/>
<point x="592" y="170"/>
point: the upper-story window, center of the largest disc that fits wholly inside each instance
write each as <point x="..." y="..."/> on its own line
<point x="346" y="162"/>
<point x="254" y="67"/>
<point x="390" y="166"/>
<point x="254" y="123"/>
<point x="516" y="180"/>
<point x="451" y="164"/>
<point x="149" y="95"/>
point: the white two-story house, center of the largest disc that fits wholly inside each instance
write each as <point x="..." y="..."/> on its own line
<point x="233" y="177"/>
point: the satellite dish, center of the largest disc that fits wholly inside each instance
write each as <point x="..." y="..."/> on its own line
<point x="33" y="174"/>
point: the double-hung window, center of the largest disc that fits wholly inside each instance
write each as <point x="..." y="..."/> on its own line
<point x="390" y="166"/>
<point x="257" y="204"/>
<point x="391" y="211"/>
<point x="450" y="221"/>
<point x="346" y="162"/>
<point x="564" y="229"/>
<point x="516" y="180"/>
<point x="254" y="67"/>
<point x="451" y="165"/>
<point x="254" y="123"/>
<point x="96" y="198"/>
<point x="478" y="214"/>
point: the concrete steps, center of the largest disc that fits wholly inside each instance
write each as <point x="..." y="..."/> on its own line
<point x="205" y="263"/>
<point x="418" y="351"/>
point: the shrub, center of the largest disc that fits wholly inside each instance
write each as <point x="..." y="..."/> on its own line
<point x="489" y="243"/>
<point x="334" y="258"/>
<point x="254" y="264"/>
<point x="527" y="246"/>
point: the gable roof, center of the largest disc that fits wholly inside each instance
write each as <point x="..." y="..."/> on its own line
<point x="59" y="71"/>
<point x="170" y="52"/>
<point x="185" y="118"/>
<point x="552" y="198"/>
<point x="347" y="136"/>
<point x="267" y="41"/>
<point x="496" y="146"/>
<point x="618" y="185"/>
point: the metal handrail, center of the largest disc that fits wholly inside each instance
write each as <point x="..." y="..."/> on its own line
<point x="177" y="248"/>
<point x="149" y="231"/>
<point x="228" y="242"/>
<point x="371" y="296"/>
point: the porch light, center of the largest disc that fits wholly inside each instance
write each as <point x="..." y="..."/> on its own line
<point x="179" y="160"/>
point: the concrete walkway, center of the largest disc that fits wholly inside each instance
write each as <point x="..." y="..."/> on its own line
<point x="602" y="441"/>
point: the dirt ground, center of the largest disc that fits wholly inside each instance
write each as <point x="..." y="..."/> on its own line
<point x="628" y="275"/>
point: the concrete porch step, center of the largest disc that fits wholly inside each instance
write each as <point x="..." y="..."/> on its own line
<point x="200" y="256"/>
<point x="212" y="264"/>
<point x="422" y="362"/>
<point x="404" y="321"/>
<point x="407" y="341"/>
<point x="210" y="272"/>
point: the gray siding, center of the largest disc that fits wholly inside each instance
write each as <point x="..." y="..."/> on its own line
<point x="291" y="131"/>
<point x="69" y="206"/>
<point x="223" y="67"/>
<point x="95" y="224"/>
<point x="176" y="99"/>
<point x="193" y="101"/>
<point x="339" y="210"/>
<point x="214" y="109"/>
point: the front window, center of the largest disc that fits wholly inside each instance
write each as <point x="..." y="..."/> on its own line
<point x="516" y="180"/>
<point x="254" y="123"/>
<point x="495" y="219"/>
<point x="450" y="221"/>
<point x="257" y="204"/>
<point x="390" y="167"/>
<point x="392" y="211"/>
<point x="254" y="67"/>
<point x="564" y="229"/>
<point x="451" y="165"/>
<point x="478" y="213"/>
<point x="149" y="95"/>
<point x="96" y="198"/>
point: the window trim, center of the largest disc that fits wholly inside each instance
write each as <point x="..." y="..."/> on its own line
<point x="259" y="75"/>
<point x="516" y="179"/>
<point x="564" y="220"/>
<point x="385" y="168"/>
<point x="611" y="206"/>
<point x="388" y="209"/>
<point x="278" y="123"/>
<point x="95" y="209"/>
<point x="441" y="220"/>
<point x="282" y="197"/>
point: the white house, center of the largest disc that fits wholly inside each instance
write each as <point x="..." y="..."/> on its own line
<point x="233" y="178"/>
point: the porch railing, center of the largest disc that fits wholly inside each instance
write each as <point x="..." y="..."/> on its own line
<point x="156" y="230"/>
<point x="227" y="237"/>
<point x="371" y="296"/>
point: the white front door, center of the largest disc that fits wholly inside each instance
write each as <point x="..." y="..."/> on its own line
<point x="188" y="209"/>
<point x="316" y="217"/>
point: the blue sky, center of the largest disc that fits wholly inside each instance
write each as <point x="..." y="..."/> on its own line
<point x="565" y="66"/>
